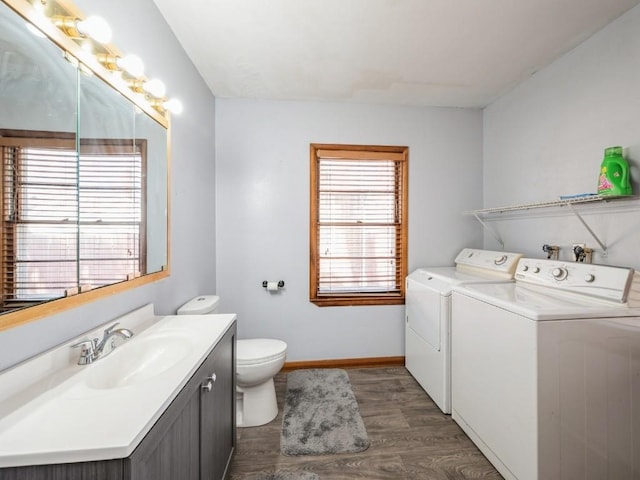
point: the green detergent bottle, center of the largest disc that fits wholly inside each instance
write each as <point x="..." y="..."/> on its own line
<point x="614" y="173"/>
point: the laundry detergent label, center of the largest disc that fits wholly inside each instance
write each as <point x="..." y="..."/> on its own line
<point x="603" y="182"/>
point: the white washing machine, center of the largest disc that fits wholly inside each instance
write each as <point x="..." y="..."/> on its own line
<point x="546" y="371"/>
<point x="428" y="315"/>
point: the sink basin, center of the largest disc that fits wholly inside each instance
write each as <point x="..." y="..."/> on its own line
<point x="138" y="360"/>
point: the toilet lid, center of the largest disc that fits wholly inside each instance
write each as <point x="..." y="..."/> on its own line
<point x="257" y="350"/>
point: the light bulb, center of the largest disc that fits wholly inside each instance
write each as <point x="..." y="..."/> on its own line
<point x="132" y="64"/>
<point x="95" y="27"/>
<point x="174" y="106"/>
<point x="155" y="87"/>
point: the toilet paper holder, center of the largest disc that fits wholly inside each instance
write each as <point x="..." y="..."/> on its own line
<point x="280" y="283"/>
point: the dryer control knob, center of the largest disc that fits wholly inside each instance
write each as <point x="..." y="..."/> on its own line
<point x="559" y="273"/>
<point x="536" y="269"/>
<point x="589" y="278"/>
<point x="500" y="260"/>
<point x="525" y="268"/>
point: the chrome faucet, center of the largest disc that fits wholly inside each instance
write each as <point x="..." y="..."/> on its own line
<point x="92" y="350"/>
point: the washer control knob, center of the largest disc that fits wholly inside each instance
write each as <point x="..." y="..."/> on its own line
<point x="500" y="260"/>
<point x="559" y="273"/>
<point x="536" y="269"/>
<point x="589" y="278"/>
<point x="525" y="268"/>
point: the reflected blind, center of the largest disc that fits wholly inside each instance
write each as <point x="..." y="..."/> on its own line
<point x="110" y="213"/>
<point x="359" y="222"/>
<point x="68" y="221"/>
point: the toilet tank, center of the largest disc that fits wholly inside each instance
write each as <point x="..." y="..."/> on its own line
<point x="200" y="305"/>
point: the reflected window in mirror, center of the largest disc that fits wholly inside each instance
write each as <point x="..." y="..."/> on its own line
<point x="69" y="222"/>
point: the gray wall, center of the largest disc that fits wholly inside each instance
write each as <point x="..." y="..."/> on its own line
<point x="547" y="137"/>
<point x="542" y="140"/>
<point x="262" y="185"/>
<point x="139" y="28"/>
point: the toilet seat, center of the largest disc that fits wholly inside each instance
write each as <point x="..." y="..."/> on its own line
<point x="259" y="350"/>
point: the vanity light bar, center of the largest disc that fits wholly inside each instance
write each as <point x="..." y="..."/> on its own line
<point x="129" y="67"/>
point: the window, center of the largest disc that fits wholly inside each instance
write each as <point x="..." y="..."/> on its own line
<point x="69" y="222"/>
<point x="358" y="224"/>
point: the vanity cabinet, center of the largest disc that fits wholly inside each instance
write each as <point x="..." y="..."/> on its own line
<point x="193" y="439"/>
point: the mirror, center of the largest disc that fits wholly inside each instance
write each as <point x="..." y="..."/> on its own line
<point x="84" y="195"/>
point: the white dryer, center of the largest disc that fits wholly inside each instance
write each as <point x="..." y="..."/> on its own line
<point x="428" y="315"/>
<point x="546" y="371"/>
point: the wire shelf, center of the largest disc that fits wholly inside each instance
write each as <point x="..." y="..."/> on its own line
<point x="552" y="203"/>
<point x="569" y="202"/>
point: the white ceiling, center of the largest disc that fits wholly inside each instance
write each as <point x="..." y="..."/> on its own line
<point x="463" y="53"/>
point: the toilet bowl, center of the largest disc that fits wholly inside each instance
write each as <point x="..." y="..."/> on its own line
<point x="257" y="362"/>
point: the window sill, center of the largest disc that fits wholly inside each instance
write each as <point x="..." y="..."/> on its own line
<point x="359" y="300"/>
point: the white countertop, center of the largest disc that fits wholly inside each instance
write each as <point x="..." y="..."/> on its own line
<point x="69" y="416"/>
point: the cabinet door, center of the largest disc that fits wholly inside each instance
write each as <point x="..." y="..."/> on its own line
<point x="170" y="449"/>
<point x="195" y="437"/>
<point x="217" y="411"/>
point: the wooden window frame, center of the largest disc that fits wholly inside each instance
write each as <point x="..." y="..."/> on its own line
<point x="399" y="154"/>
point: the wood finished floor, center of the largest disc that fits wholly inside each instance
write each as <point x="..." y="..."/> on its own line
<point x="411" y="439"/>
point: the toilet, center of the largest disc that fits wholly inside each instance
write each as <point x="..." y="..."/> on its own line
<point x="257" y="362"/>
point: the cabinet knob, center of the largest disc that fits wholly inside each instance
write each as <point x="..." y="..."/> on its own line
<point x="207" y="385"/>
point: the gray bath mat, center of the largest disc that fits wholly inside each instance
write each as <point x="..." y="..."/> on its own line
<point x="284" y="476"/>
<point x="321" y="414"/>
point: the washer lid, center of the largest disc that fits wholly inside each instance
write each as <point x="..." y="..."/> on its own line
<point x="257" y="350"/>
<point x="543" y="303"/>
<point x="441" y="279"/>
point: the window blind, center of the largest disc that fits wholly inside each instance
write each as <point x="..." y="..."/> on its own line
<point x="39" y="189"/>
<point x="110" y="207"/>
<point x="359" y="223"/>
